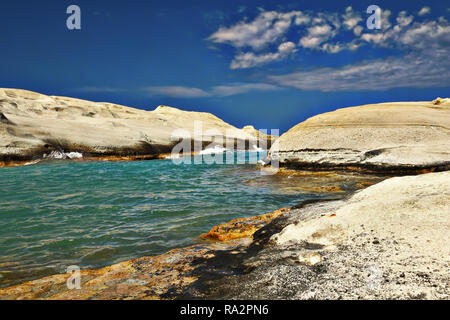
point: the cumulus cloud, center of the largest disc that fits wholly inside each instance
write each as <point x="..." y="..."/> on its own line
<point x="419" y="48"/>
<point x="358" y="30"/>
<point x="267" y="28"/>
<point x="351" y="18"/>
<point x="250" y="59"/>
<point x="404" y="20"/>
<point x="316" y="35"/>
<point x="421" y="61"/>
<point x="417" y="36"/>
<point x="424" y="11"/>
<point x="255" y="39"/>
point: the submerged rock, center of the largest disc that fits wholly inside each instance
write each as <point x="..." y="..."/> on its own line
<point x="391" y="137"/>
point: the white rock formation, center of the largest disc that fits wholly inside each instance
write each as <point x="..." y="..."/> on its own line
<point x="388" y="135"/>
<point x="34" y="124"/>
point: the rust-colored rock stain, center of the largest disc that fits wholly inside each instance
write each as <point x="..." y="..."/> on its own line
<point x="242" y="227"/>
<point x="147" y="278"/>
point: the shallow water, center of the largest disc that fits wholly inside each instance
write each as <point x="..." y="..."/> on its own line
<point x="92" y="214"/>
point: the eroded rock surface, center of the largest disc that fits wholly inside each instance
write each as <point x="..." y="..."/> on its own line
<point x="33" y="124"/>
<point x="392" y="137"/>
<point x="389" y="241"/>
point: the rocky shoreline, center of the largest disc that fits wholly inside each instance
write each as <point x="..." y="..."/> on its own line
<point x="387" y="241"/>
<point x="166" y="276"/>
<point x="35" y="125"/>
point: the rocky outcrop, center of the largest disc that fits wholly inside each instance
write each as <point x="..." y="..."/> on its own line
<point x="388" y="241"/>
<point x="34" y="124"/>
<point x="242" y="227"/>
<point x="442" y="101"/>
<point x="266" y="139"/>
<point x="392" y="137"/>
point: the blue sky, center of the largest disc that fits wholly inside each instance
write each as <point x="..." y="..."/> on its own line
<point x="267" y="63"/>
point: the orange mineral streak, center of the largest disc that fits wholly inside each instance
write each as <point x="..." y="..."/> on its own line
<point x="161" y="156"/>
<point x="148" y="278"/>
<point x="364" y="184"/>
<point x="5" y="164"/>
<point x="294" y="172"/>
<point x="242" y="227"/>
<point x="327" y="189"/>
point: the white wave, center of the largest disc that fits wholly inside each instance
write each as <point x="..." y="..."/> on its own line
<point x="256" y="149"/>
<point x="173" y="156"/>
<point x="216" y="149"/>
<point x="74" y="155"/>
<point x="62" y="155"/>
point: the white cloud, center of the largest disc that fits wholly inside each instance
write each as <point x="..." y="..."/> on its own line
<point x="238" y="88"/>
<point x="216" y="91"/>
<point x="424" y="11"/>
<point x="404" y="20"/>
<point x="310" y="42"/>
<point x="267" y="28"/>
<point x="250" y="59"/>
<point x="286" y="47"/>
<point x="302" y="18"/>
<point x="316" y="35"/>
<point x="385" y="19"/>
<point x="351" y="18"/>
<point x="410" y="71"/>
<point x="332" y="48"/>
<point x="409" y="40"/>
<point x="358" y="30"/>
<point x="177" y="91"/>
<point x="421" y="61"/>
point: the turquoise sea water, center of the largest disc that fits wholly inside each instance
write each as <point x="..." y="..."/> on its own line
<point x="92" y="214"/>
